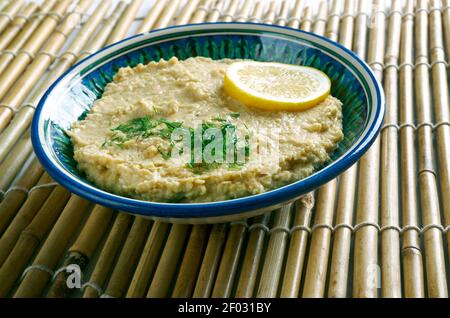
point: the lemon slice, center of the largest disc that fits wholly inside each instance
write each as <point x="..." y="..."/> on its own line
<point x="276" y="86"/>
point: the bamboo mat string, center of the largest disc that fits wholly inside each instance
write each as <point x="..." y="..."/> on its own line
<point x="365" y="262"/>
<point x="441" y="105"/>
<point x="7" y="15"/>
<point x="17" y="24"/>
<point x="340" y="257"/>
<point x="25" y="56"/>
<point x="434" y="253"/>
<point x="411" y="246"/>
<point x="27" y="31"/>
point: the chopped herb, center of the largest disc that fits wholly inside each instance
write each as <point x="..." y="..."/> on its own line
<point x="145" y="127"/>
<point x="235" y="115"/>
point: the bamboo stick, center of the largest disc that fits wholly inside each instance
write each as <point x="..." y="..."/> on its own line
<point x="319" y="24"/>
<point x="210" y="261"/>
<point x="108" y="254"/>
<point x="24" y="115"/>
<point x="152" y="16"/>
<point x="20" y="62"/>
<point x="30" y="238"/>
<point x="271" y="13"/>
<point x="252" y="257"/>
<point x="282" y="16"/>
<point x="38" y="279"/>
<point x="34" y="281"/>
<point x="123" y="25"/>
<point x="82" y="250"/>
<point x="24" y="35"/>
<point x="245" y="11"/>
<point x="411" y="250"/>
<point x="190" y="264"/>
<point x="434" y="253"/>
<point x="201" y="12"/>
<point x="297" y="247"/>
<point x="340" y="258"/>
<point x="294" y="21"/>
<point x="96" y="225"/>
<point x="17" y="194"/>
<point x="187" y="12"/>
<point x="17" y="24"/>
<point x="316" y="269"/>
<point x="18" y="92"/>
<point x="228" y="266"/>
<point x="168" y="15"/>
<point x="273" y="260"/>
<point x="14" y="161"/>
<point x="230" y="258"/>
<point x="306" y="24"/>
<point x="10" y="11"/>
<point x="23" y="217"/>
<point x="390" y="237"/>
<point x="100" y="217"/>
<point x="214" y="14"/>
<point x="231" y="11"/>
<point x="103" y="266"/>
<point x="165" y="271"/>
<point x="257" y="12"/>
<point x="365" y="265"/>
<point x="441" y="108"/>
<point x="128" y="258"/>
<point x="149" y="260"/>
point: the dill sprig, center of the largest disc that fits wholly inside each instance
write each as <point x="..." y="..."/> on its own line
<point x="146" y="127"/>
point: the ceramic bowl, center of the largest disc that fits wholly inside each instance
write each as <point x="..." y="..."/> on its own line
<point x="74" y="93"/>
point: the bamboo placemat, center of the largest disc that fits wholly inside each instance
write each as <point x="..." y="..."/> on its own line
<point x="379" y="230"/>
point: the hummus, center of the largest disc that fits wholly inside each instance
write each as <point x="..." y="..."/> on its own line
<point x="123" y="145"/>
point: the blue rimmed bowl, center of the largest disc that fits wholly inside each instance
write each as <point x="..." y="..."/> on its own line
<point x="74" y="93"/>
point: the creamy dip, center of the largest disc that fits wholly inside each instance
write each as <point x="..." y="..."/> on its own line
<point x="119" y="157"/>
